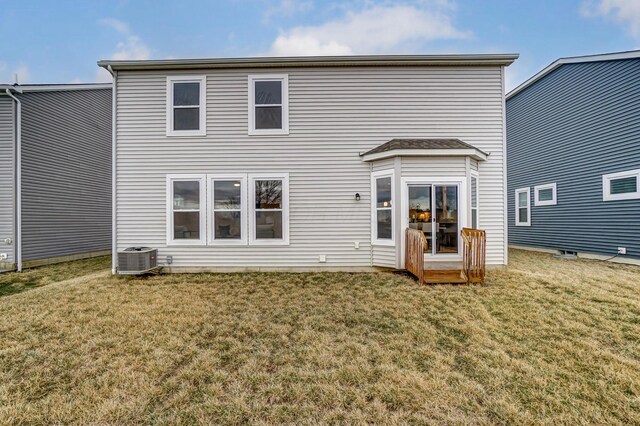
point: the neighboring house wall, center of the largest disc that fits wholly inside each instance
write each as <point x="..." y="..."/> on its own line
<point x="335" y="114"/>
<point x="66" y="173"/>
<point x="7" y="223"/>
<point x="574" y="125"/>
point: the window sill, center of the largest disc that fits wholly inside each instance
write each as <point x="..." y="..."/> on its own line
<point x="186" y="134"/>
<point x="284" y="132"/>
<point x="266" y="243"/>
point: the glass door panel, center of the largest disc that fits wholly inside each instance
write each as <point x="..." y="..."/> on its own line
<point x="420" y="211"/>
<point x="446" y="219"/>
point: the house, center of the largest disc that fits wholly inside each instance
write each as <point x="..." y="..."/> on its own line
<point x="308" y="163"/>
<point x="55" y="173"/>
<point x="573" y="136"/>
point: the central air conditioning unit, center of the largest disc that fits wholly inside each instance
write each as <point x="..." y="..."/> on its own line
<point x="137" y="260"/>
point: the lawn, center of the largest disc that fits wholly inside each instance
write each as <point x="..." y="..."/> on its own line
<point x="543" y="341"/>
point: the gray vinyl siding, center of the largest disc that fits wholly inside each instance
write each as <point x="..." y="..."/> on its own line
<point x="7" y="223"/>
<point x="571" y="127"/>
<point x="66" y="173"/>
<point x="335" y="114"/>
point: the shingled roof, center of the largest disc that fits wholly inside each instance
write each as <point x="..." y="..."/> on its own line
<point x="422" y="144"/>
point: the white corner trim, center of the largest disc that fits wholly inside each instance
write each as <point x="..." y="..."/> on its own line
<point x="606" y="186"/>
<point x="202" y="80"/>
<point x="374" y="209"/>
<point x="536" y="195"/>
<point x="526" y="190"/>
<point x="251" y="80"/>
<point x="473" y="153"/>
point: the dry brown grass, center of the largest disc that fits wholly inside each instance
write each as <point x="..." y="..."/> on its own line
<point x="544" y="341"/>
<point x="14" y="282"/>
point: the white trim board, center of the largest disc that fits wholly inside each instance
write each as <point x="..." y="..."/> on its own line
<point x="473" y="153"/>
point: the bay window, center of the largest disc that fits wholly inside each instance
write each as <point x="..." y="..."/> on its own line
<point x="382" y="208"/>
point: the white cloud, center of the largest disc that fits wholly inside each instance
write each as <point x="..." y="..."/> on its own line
<point x="286" y="8"/>
<point x="373" y="29"/>
<point x="625" y="12"/>
<point x="129" y="47"/>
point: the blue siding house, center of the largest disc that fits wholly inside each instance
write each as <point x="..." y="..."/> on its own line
<point x="573" y="158"/>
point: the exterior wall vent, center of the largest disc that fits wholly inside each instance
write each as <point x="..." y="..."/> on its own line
<point x="137" y="260"/>
<point x="567" y="254"/>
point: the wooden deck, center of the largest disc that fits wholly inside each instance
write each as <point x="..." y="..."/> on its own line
<point x="444" y="276"/>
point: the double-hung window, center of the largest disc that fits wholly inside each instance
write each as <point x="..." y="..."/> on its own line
<point x="382" y="208"/>
<point x="268" y="104"/>
<point x="186" y="106"/>
<point x="545" y="195"/>
<point x="523" y="207"/>
<point x="227" y="204"/>
<point x="186" y="209"/>
<point x="474" y="200"/>
<point x="269" y="209"/>
<point x="621" y="186"/>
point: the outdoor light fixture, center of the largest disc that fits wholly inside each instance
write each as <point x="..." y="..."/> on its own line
<point x="357" y="196"/>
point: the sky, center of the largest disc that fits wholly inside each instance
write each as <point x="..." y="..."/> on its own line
<point x="60" y="41"/>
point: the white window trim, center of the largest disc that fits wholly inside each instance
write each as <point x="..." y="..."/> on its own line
<point x="203" y="209"/>
<point x="374" y="209"/>
<point x="606" y="186"/>
<point x="536" y="192"/>
<point x="202" y="79"/>
<point x="285" y="209"/>
<point x="211" y="178"/>
<point x="475" y="175"/>
<point x="526" y="190"/>
<point x="284" y="78"/>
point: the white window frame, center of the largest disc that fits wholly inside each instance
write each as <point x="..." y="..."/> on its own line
<point x="202" y="210"/>
<point x="474" y="175"/>
<point x="374" y="209"/>
<point x="606" y="186"/>
<point x="536" y="195"/>
<point x="284" y="177"/>
<point x="211" y="179"/>
<point x="526" y="190"/>
<point x="252" y="79"/>
<point x="171" y="80"/>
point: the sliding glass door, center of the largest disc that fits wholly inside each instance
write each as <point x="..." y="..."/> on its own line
<point x="433" y="209"/>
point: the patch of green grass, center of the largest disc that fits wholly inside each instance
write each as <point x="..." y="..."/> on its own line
<point x="16" y="282"/>
<point x="544" y="341"/>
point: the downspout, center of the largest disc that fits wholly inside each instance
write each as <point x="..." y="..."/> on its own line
<point x="114" y="245"/>
<point x="18" y="181"/>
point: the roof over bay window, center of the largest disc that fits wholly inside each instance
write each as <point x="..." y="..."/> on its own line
<point x="424" y="148"/>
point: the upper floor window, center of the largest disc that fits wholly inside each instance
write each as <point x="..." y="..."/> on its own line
<point x="523" y="207"/>
<point x="545" y="195"/>
<point x="186" y="106"/>
<point x="621" y="186"/>
<point x="268" y="104"/>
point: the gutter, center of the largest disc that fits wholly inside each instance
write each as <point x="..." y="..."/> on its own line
<point x="114" y="245"/>
<point x="18" y="180"/>
<point x="312" y="61"/>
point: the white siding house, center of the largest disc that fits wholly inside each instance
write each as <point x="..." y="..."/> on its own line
<point x="267" y="163"/>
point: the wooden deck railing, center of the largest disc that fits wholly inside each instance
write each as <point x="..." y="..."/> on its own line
<point x="474" y="249"/>
<point x="474" y="254"/>
<point x="415" y="246"/>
